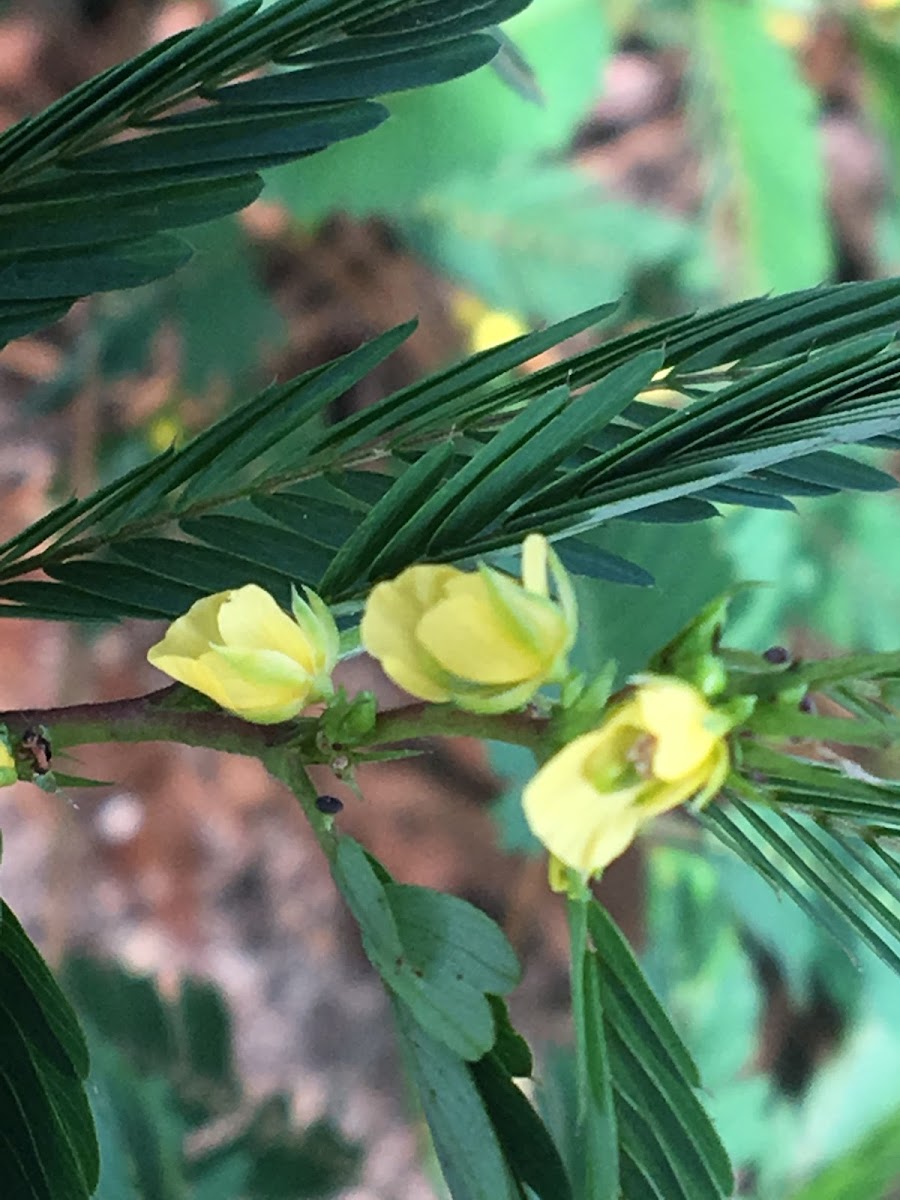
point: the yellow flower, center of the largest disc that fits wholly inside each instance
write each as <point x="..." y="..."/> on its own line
<point x="8" y="773"/>
<point x="659" y="747"/>
<point x="240" y="649"/>
<point x="487" y="327"/>
<point x="495" y="328"/>
<point x="789" y="27"/>
<point x="478" y="638"/>
<point x="164" y="431"/>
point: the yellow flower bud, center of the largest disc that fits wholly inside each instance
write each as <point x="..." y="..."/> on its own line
<point x="478" y="638"/>
<point x="243" y="651"/>
<point x="659" y="747"/>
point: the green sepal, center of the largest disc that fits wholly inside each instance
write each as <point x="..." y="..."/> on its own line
<point x="317" y="622"/>
<point x="349" y="721"/>
<point x="732" y="713"/>
<point x="582" y="704"/>
<point x="693" y="654"/>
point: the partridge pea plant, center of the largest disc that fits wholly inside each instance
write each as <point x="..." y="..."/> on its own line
<point x="441" y="530"/>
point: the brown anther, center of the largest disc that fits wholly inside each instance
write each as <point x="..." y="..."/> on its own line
<point x="640" y="754"/>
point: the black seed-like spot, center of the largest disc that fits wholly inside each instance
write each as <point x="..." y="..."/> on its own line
<point x="329" y="805"/>
<point x="777" y="654"/>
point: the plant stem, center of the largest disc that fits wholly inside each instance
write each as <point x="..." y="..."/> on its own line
<point x="154" y="718"/>
<point x="149" y="718"/>
<point x="286" y="765"/>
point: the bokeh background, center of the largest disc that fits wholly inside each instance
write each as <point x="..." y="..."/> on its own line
<point x="675" y="153"/>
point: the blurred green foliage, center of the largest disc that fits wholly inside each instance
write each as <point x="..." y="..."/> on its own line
<point x="474" y="177"/>
<point x="173" y="1119"/>
<point x="469" y="128"/>
<point x="720" y="947"/>
<point x="768" y="161"/>
<point x="837" y="576"/>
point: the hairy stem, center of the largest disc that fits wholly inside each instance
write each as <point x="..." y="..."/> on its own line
<point x="155" y="718"/>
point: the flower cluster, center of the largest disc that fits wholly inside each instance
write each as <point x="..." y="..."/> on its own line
<point x="487" y="643"/>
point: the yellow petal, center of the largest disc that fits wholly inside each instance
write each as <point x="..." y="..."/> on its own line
<point x="394" y="609"/>
<point x="251" y="619"/>
<point x="466" y="635"/>
<point x="481" y="699"/>
<point x="584" y="828"/>
<point x="388" y="629"/>
<point x="495" y="328"/>
<point x="716" y="767"/>
<point x="407" y="675"/>
<point x="193" y="672"/>
<point x="533" y="620"/>
<point x="191" y="634"/>
<point x="259" y="685"/>
<point x="589" y="801"/>
<point x="657" y="798"/>
<point x="674" y="712"/>
<point x="477" y="638"/>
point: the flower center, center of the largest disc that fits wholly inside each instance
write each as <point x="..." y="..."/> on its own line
<point x="640" y="754"/>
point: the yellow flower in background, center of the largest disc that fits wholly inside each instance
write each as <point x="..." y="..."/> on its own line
<point x="243" y="651"/>
<point x="486" y="327"/>
<point x="478" y="638"/>
<point x="164" y="431"/>
<point x="661" y="746"/>
<point x="495" y="328"/>
<point x="790" y="27"/>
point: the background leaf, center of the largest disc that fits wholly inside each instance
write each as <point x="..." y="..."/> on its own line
<point x="464" y="128"/>
<point x="165" y="1070"/>
<point x="755" y="87"/>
